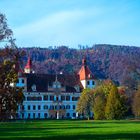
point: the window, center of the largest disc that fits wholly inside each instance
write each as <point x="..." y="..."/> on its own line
<point x="28" y="115"/>
<point x="34" y="107"/>
<point x="60" y="107"/>
<point x="88" y="83"/>
<point x="67" y="106"/>
<point x="34" y="115"/>
<point x="62" y="98"/>
<point x="38" y="115"/>
<point x="52" y="107"/>
<point x="51" y="98"/>
<point x="56" y="107"/>
<point x="67" y="98"/>
<point x="93" y="83"/>
<point x="76" y="98"/>
<point x="39" y="107"/>
<point x="22" y="115"/>
<point x="73" y="98"/>
<point x="74" y="114"/>
<point x="22" y="107"/>
<point x="45" y="107"/>
<point x="63" y="107"/>
<point x="33" y="87"/>
<point x="57" y="98"/>
<point x="68" y="114"/>
<point x="45" y="115"/>
<point x="22" y="80"/>
<point x="46" y="97"/>
<point x="29" y="98"/>
<point x="29" y="107"/>
<point x="73" y="106"/>
<point x="39" y="98"/>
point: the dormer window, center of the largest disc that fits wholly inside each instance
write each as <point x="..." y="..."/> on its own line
<point x="33" y="87"/>
<point x="56" y="84"/>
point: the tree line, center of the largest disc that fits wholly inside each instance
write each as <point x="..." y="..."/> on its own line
<point x="107" y="101"/>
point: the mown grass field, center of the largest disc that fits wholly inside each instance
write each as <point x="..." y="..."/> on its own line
<point x="70" y="130"/>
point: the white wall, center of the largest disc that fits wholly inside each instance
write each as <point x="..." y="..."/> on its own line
<point x="42" y="111"/>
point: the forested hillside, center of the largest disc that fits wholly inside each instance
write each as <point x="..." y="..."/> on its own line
<point x="119" y="63"/>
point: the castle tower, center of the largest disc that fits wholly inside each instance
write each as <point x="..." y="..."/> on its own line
<point x="28" y="67"/>
<point x="86" y="77"/>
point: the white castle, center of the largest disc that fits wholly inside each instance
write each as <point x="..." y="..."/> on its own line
<point x="52" y="96"/>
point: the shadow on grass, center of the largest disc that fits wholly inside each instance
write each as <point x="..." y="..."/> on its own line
<point x="129" y="136"/>
<point x="4" y="131"/>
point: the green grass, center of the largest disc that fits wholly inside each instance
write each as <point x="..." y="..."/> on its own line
<point x="70" y="130"/>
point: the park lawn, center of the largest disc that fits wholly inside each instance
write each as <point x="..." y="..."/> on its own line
<point x="70" y="130"/>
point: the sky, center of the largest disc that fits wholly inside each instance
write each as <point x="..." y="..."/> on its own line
<point x="44" y="23"/>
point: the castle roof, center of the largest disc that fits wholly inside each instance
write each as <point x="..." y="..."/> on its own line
<point x="85" y="72"/>
<point x="29" y="64"/>
<point x="43" y="81"/>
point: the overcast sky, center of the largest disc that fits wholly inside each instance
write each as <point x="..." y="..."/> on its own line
<point x="71" y="22"/>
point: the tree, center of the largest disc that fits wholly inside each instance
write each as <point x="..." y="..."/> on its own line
<point x="85" y="103"/>
<point x="99" y="106"/>
<point x="10" y="96"/>
<point x="101" y="93"/>
<point x="136" y="103"/>
<point x="5" y="32"/>
<point x="115" y="106"/>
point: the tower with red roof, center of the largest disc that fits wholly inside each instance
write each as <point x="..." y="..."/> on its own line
<point x="28" y="67"/>
<point x="86" y="77"/>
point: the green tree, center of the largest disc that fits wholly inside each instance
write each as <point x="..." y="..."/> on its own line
<point x="136" y="103"/>
<point x="10" y="96"/>
<point x="101" y="93"/>
<point x="85" y="103"/>
<point x="99" y="106"/>
<point x="115" y="106"/>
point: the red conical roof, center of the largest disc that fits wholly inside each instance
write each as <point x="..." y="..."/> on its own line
<point x="29" y="64"/>
<point x="85" y="72"/>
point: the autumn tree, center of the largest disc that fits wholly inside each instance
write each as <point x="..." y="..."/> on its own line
<point x="85" y="103"/>
<point x="136" y="103"/>
<point x="10" y="96"/>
